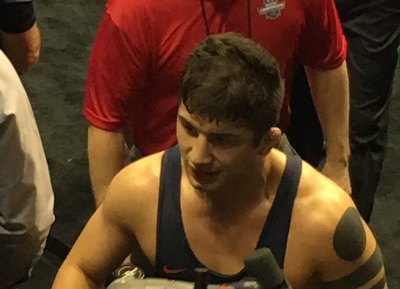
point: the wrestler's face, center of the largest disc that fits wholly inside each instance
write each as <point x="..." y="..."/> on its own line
<point x="215" y="155"/>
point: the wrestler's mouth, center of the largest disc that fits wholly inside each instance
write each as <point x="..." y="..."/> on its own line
<point x="204" y="176"/>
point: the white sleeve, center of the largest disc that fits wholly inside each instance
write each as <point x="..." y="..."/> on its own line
<point x="26" y="195"/>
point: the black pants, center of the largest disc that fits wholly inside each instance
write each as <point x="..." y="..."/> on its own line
<point x="304" y="132"/>
<point x="371" y="75"/>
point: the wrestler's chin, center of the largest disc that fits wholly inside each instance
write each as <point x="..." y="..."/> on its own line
<point x="205" y="189"/>
<point x="205" y="183"/>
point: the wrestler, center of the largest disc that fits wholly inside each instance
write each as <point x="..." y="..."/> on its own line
<point x="225" y="191"/>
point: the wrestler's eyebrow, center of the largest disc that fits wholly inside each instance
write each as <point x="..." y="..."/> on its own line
<point x="228" y="135"/>
<point x="182" y="119"/>
<point x="361" y="276"/>
<point x="185" y="122"/>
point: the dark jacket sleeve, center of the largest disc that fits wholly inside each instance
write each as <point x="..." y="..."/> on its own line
<point x="16" y="16"/>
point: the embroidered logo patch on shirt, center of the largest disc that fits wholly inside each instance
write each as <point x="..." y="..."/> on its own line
<point x="271" y="8"/>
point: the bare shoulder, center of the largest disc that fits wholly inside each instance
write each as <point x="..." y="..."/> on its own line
<point x="341" y="246"/>
<point x="320" y="200"/>
<point x="134" y="190"/>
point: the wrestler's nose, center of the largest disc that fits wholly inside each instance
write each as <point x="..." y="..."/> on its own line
<point x="200" y="153"/>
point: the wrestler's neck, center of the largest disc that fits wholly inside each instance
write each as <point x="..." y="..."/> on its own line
<point x="242" y="195"/>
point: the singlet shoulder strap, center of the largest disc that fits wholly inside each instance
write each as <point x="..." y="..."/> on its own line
<point x="170" y="232"/>
<point x="277" y="225"/>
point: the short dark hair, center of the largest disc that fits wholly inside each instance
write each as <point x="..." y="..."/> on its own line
<point x="228" y="77"/>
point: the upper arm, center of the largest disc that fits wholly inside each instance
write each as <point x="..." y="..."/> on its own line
<point x="19" y="35"/>
<point x="105" y="160"/>
<point x="353" y="259"/>
<point x="106" y="239"/>
<point x="330" y="92"/>
<point x="114" y="229"/>
<point x="337" y="73"/>
<point x="328" y="85"/>
<point x="112" y="148"/>
<point x="110" y="155"/>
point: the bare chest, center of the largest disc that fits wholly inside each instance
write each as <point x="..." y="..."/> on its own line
<point x="221" y="248"/>
<point x="224" y="251"/>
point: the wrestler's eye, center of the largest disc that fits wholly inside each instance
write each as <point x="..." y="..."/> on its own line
<point x="221" y="140"/>
<point x="190" y="129"/>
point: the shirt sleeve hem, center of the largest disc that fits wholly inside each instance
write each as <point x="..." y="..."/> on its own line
<point x="99" y="123"/>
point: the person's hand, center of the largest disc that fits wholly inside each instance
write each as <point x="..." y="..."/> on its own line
<point x="339" y="173"/>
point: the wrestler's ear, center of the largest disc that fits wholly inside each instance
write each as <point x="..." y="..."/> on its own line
<point x="270" y="140"/>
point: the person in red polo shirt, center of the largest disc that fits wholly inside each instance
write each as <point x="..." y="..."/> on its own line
<point x="139" y="54"/>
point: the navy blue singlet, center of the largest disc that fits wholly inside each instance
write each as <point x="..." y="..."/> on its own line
<point x="174" y="257"/>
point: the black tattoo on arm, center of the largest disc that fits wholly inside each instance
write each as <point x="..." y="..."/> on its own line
<point x="381" y="284"/>
<point x="350" y="238"/>
<point x="361" y="276"/>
